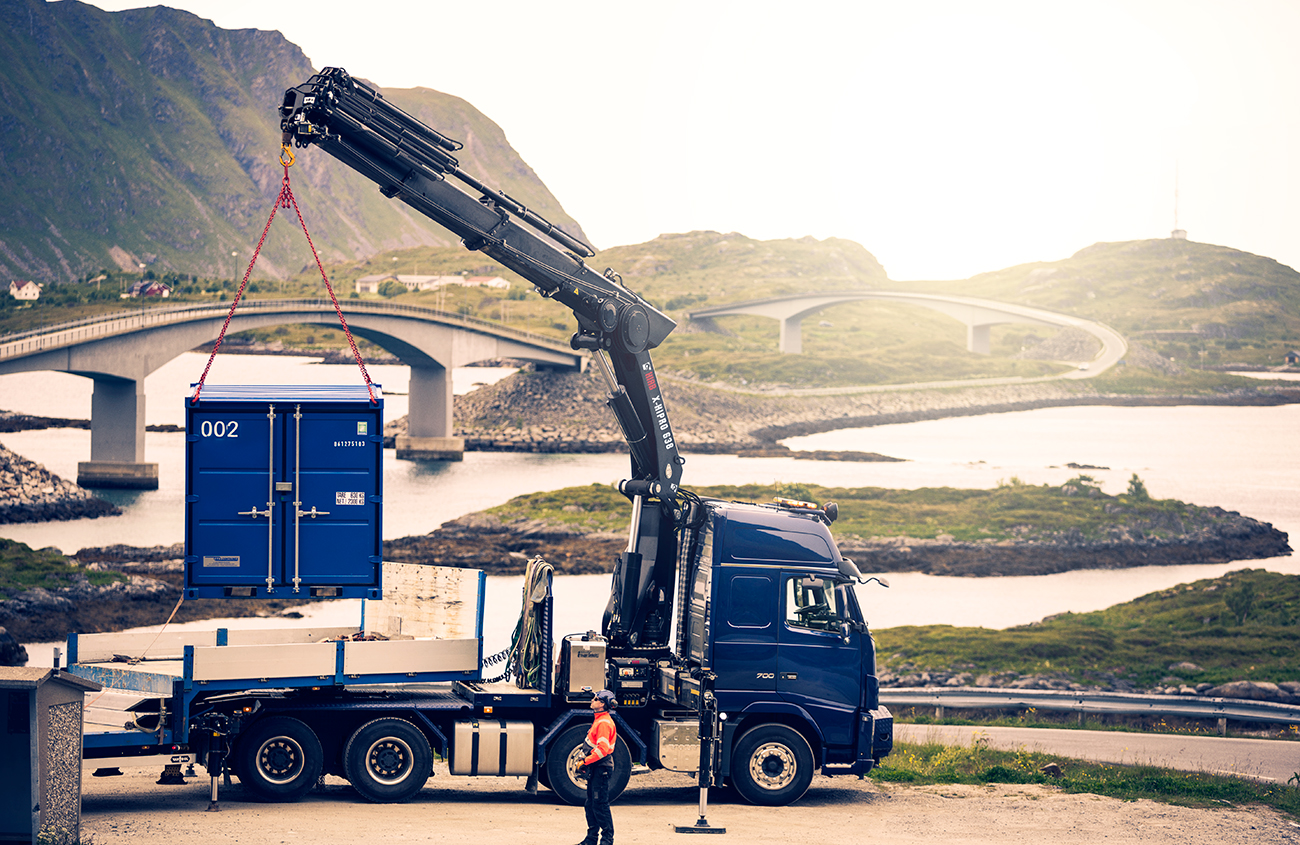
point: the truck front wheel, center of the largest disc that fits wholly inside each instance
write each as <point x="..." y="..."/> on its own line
<point x="772" y="766"/>
<point x="279" y="759"/>
<point x="388" y="760"/>
<point x="565" y="755"/>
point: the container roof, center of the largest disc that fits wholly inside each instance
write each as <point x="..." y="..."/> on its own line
<point x="306" y="393"/>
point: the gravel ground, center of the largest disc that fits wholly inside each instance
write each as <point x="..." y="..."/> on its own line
<point x="132" y="809"/>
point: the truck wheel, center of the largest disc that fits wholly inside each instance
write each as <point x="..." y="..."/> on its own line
<point x="772" y="765"/>
<point x="279" y="759"/>
<point x="388" y="760"/>
<point x="565" y="755"/>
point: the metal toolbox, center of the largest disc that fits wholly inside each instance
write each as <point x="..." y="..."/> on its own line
<point x="492" y="747"/>
<point x="677" y="745"/>
<point x="583" y="661"/>
<point x="283" y="492"/>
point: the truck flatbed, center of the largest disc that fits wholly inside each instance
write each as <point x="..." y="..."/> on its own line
<point x="177" y="669"/>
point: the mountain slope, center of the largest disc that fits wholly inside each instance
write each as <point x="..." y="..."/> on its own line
<point x="151" y="137"/>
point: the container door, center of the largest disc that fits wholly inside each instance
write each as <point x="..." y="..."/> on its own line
<point x="232" y="511"/>
<point x="332" y="531"/>
<point x="816" y="668"/>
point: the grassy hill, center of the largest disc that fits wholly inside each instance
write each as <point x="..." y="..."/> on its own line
<point x="1199" y="304"/>
<point x="150" y="137"/>
<point x="1243" y="625"/>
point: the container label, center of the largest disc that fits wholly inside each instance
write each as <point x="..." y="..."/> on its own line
<point x="361" y="426"/>
<point x="349" y="498"/>
<point x="221" y="561"/>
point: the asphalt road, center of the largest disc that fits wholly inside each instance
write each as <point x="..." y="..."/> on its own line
<point x="1271" y="760"/>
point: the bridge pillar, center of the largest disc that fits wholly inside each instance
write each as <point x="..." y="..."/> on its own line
<point x="977" y="339"/>
<point x="117" y="438"/>
<point x="792" y="335"/>
<point x="429" y="420"/>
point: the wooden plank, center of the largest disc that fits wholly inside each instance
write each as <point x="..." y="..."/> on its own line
<point x="255" y="662"/>
<point x="405" y="656"/>
<point x="426" y="601"/>
<point x="270" y="636"/>
<point x="122" y="676"/>
<point x="110" y="699"/>
<point x="170" y="645"/>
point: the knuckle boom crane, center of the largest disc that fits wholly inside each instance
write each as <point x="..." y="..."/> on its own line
<point x="416" y="164"/>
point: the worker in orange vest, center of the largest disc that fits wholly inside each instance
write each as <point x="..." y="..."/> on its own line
<point x="599" y="767"/>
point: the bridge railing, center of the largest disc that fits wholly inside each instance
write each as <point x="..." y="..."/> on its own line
<point x="107" y="325"/>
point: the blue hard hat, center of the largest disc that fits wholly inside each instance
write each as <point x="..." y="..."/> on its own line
<point x="607" y="698"/>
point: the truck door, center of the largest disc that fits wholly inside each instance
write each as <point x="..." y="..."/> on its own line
<point x="816" y="668"/>
<point x="745" y="630"/>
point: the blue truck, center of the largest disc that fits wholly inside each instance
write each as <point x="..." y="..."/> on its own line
<point x="733" y="638"/>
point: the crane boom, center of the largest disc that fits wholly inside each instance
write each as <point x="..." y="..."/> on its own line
<point x="416" y="164"/>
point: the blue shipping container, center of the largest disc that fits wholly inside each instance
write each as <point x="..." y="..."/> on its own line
<point x="283" y="492"/>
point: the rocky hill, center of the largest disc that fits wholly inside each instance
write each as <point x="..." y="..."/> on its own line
<point x="151" y="136"/>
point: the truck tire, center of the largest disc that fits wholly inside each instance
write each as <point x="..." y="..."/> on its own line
<point x="772" y="766"/>
<point x="279" y="759"/>
<point x="563" y="757"/>
<point x="388" y="760"/>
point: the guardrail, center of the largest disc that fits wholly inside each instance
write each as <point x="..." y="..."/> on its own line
<point x="1116" y="703"/>
<point x="108" y="325"/>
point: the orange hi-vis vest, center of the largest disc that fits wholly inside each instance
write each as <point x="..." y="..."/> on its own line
<point x="601" y="738"/>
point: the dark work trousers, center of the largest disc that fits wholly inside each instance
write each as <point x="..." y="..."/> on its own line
<point x="598" y="816"/>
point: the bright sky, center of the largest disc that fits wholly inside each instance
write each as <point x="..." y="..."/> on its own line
<point x="948" y="137"/>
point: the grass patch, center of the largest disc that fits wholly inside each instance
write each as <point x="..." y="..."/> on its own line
<point x="1073" y="512"/>
<point x="23" y="568"/>
<point x="977" y="764"/>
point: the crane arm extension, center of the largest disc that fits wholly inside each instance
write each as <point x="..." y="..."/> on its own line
<point x="414" y="163"/>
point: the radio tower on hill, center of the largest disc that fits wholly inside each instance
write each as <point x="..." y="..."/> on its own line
<point x="1177" y="234"/>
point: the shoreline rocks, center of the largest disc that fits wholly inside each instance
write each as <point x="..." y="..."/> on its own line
<point x="31" y="493"/>
<point x="1229" y="537"/>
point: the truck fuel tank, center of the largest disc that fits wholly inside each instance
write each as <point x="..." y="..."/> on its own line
<point x="489" y="747"/>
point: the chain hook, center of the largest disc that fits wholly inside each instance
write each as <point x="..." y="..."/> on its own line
<point x="285" y="151"/>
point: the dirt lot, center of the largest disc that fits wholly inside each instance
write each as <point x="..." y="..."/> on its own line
<point x="132" y="809"/>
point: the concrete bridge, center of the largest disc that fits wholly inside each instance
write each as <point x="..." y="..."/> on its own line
<point x="978" y="315"/>
<point x="118" y="351"/>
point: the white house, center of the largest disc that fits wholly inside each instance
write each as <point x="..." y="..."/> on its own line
<point x="150" y="287"/>
<point x="25" y="290"/>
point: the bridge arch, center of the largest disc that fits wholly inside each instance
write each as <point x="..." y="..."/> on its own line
<point x="979" y="315"/>
<point x="118" y="352"/>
